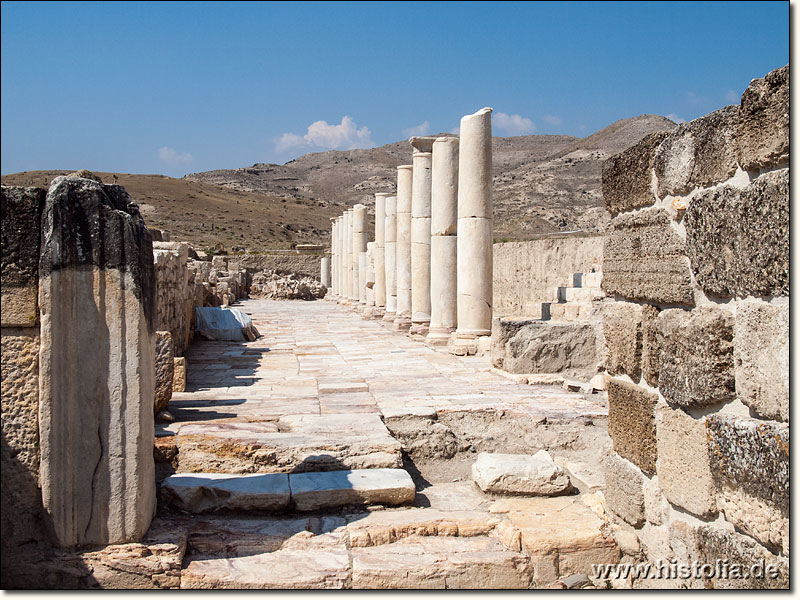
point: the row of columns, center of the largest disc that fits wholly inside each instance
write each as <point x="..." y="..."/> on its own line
<point x="429" y="269"/>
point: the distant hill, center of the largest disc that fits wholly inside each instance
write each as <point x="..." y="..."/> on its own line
<point x="542" y="184"/>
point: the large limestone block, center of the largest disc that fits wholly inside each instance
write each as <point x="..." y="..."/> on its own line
<point x="165" y="370"/>
<point x="750" y="467"/>
<point x="649" y="344"/>
<point x="631" y="423"/>
<point x="645" y="259"/>
<point x="204" y="492"/>
<point x="738" y="239"/>
<point x="20" y="229"/>
<point x="179" y="374"/>
<point x="325" y="489"/>
<point x="696" y="356"/>
<point x="763" y="129"/>
<point x="684" y="468"/>
<point x="747" y="564"/>
<point x="97" y="312"/>
<point x="441" y="563"/>
<point x="622" y="329"/>
<point x="319" y="568"/>
<point x="627" y="176"/>
<point x="562" y="535"/>
<point x="21" y="514"/>
<point x="761" y="354"/>
<point x="533" y="346"/>
<point x="385" y="527"/>
<point x="319" y="443"/>
<point x="519" y="474"/>
<point x="624" y="489"/>
<point x="698" y="153"/>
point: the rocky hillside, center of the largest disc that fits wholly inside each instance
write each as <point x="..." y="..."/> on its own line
<point x="542" y="183"/>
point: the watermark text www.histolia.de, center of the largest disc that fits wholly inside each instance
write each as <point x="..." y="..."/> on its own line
<point x="721" y="569"/>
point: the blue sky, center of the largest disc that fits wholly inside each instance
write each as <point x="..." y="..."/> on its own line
<point x="183" y="87"/>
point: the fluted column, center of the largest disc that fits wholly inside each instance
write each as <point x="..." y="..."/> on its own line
<point x="379" y="254"/>
<point x="359" y="246"/>
<point x="421" y="235"/>
<point x="403" y="258"/>
<point x="444" y="215"/>
<point x="390" y="255"/>
<point x="474" y="231"/>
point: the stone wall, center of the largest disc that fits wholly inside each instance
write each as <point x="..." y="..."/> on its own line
<point x="697" y="258"/>
<point x="174" y="293"/>
<point x="300" y="264"/>
<point x="527" y="273"/>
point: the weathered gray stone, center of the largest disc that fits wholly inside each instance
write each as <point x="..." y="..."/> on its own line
<point x="622" y="329"/>
<point x="763" y="130"/>
<point x="20" y="227"/>
<point x="748" y="565"/>
<point x="696" y="356"/>
<point x="650" y="349"/>
<point x="738" y="239"/>
<point x="627" y="176"/>
<point x="750" y="467"/>
<point x="96" y="371"/>
<point x="684" y="468"/>
<point x="165" y="369"/>
<point x="532" y="346"/>
<point x="520" y="474"/>
<point x="761" y="352"/>
<point x="645" y="259"/>
<point x="313" y="491"/>
<point x="624" y="489"/>
<point x="698" y="153"/>
<point x="631" y="423"/>
<point x="204" y="492"/>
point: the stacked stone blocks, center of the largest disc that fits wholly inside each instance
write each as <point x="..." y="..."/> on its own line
<point x="697" y="259"/>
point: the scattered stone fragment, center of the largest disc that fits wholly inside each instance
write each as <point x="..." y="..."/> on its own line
<point x="204" y="492"/>
<point x="517" y="474"/>
<point x="313" y="491"/>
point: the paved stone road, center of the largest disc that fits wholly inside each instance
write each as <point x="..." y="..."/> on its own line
<point x="323" y="358"/>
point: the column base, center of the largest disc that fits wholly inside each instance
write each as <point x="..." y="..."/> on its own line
<point x="462" y="344"/>
<point x="389" y="317"/>
<point x="419" y="329"/>
<point x="438" y="336"/>
<point x="376" y="312"/>
<point x="402" y="323"/>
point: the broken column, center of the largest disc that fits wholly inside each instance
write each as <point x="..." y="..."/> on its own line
<point x="444" y="215"/>
<point x="403" y="253"/>
<point x="359" y="246"/>
<point x="97" y="312"/>
<point x="379" y="253"/>
<point x="390" y="255"/>
<point x="474" y="246"/>
<point x="325" y="271"/>
<point x="421" y="235"/>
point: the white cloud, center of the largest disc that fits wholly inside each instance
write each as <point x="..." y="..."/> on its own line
<point x="675" y="118"/>
<point x="423" y="128"/>
<point x="456" y="130"/>
<point x="513" y="124"/>
<point x="732" y="96"/>
<point x="552" y="120"/>
<point x="172" y="156"/>
<point x="347" y="135"/>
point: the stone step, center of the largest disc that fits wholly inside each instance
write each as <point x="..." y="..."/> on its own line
<point x="275" y="492"/>
<point x="593" y="279"/>
<point x="296" y="444"/>
<point x="582" y="294"/>
<point x="571" y="311"/>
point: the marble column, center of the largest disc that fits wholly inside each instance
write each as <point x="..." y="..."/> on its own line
<point x="421" y="235"/>
<point x="348" y="257"/>
<point x="325" y="272"/>
<point x="339" y="258"/>
<point x="369" y="281"/>
<point x="474" y="246"/>
<point x="444" y="214"/>
<point x="334" y="257"/>
<point x="403" y="259"/>
<point x="390" y="255"/>
<point x="379" y="254"/>
<point x="359" y="246"/>
<point x="362" y="279"/>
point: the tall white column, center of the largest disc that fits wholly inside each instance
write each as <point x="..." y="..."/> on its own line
<point x="369" y="280"/>
<point x="379" y="254"/>
<point x="348" y="256"/>
<point x="334" y="250"/>
<point x="421" y="235"/>
<point x="340" y="257"/>
<point x="474" y="231"/>
<point x="359" y="246"/>
<point x="362" y="279"/>
<point x="403" y="258"/>
<point x="390" y="256"/>
<point x="444" y="214"/>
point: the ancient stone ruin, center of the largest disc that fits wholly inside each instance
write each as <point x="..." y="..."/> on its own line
<point x="567" y="412"/>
